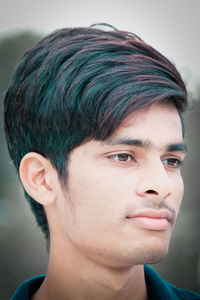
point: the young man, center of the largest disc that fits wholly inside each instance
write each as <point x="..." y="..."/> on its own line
<point x="94" y="126"/>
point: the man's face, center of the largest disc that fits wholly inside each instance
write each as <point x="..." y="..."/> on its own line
<point x="123" y="194"/>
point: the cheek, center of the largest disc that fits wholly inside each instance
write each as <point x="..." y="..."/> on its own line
<point x="98" y="200"/>
<point x="178" y="190"/>
<point x="95" y="198"/>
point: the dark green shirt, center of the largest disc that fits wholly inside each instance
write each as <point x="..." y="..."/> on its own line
<point x="157" y="288"/>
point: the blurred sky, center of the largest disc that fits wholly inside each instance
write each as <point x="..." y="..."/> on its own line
<point x="170" y="26"/>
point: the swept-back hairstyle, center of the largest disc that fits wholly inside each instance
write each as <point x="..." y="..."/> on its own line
<point x="80" y="83"/>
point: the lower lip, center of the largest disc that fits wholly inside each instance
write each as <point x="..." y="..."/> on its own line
<point x="151" y="223"/>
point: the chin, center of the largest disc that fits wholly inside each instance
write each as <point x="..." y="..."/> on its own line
<point x="145" y="253"/>
<point x="154" y="257"/>
<point x="152" y="252"/>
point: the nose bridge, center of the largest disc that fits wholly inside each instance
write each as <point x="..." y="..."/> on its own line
<point x="154" y="179"/>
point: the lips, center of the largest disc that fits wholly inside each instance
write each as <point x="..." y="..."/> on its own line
<point x="152" y="219"/>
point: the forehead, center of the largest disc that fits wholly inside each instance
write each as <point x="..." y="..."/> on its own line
<point x="158" y="122"/>
<point x="156" y="127"/>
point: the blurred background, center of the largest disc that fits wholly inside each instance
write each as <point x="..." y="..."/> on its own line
<point x="172" y="27"/>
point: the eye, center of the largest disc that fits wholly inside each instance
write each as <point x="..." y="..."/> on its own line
<point x="122" y="157"/>
<point x="173" y="162"/>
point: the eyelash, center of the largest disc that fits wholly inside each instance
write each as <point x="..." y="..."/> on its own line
<point x="178" y="162"/>
<point x="122" y="155"/>
<point x="172" y="162"/>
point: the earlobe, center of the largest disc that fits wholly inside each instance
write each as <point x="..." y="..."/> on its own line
<point x="37" y="176"/>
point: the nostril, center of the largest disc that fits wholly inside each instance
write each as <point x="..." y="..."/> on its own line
<point x="152" y="192"/>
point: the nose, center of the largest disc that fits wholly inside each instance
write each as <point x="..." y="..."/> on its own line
<point x="154" y="182"/>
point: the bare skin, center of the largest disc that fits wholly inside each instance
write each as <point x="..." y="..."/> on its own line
<point x="117" y="210"/>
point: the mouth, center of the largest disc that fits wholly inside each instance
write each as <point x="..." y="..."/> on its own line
<point x="152" y="220"/>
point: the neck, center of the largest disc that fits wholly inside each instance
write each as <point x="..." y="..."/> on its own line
<point x="73" y="277"/>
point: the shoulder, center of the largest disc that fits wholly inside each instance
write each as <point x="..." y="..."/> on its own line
<point x="28" y="288"/>
<point x="160" y="289"/>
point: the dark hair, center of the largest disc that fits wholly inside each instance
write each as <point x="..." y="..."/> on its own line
<point x="80" y="83"/>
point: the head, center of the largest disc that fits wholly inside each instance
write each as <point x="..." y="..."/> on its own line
<point x="77" y="88"/>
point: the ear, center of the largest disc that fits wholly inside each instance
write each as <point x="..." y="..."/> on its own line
<point x="38" y="177"/>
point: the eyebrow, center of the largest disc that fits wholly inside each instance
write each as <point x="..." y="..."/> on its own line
<point x="146" y="144"/>
<point x="177" y="147"/>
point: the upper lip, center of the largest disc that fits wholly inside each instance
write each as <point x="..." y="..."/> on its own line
<point x="152" y="213"/>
